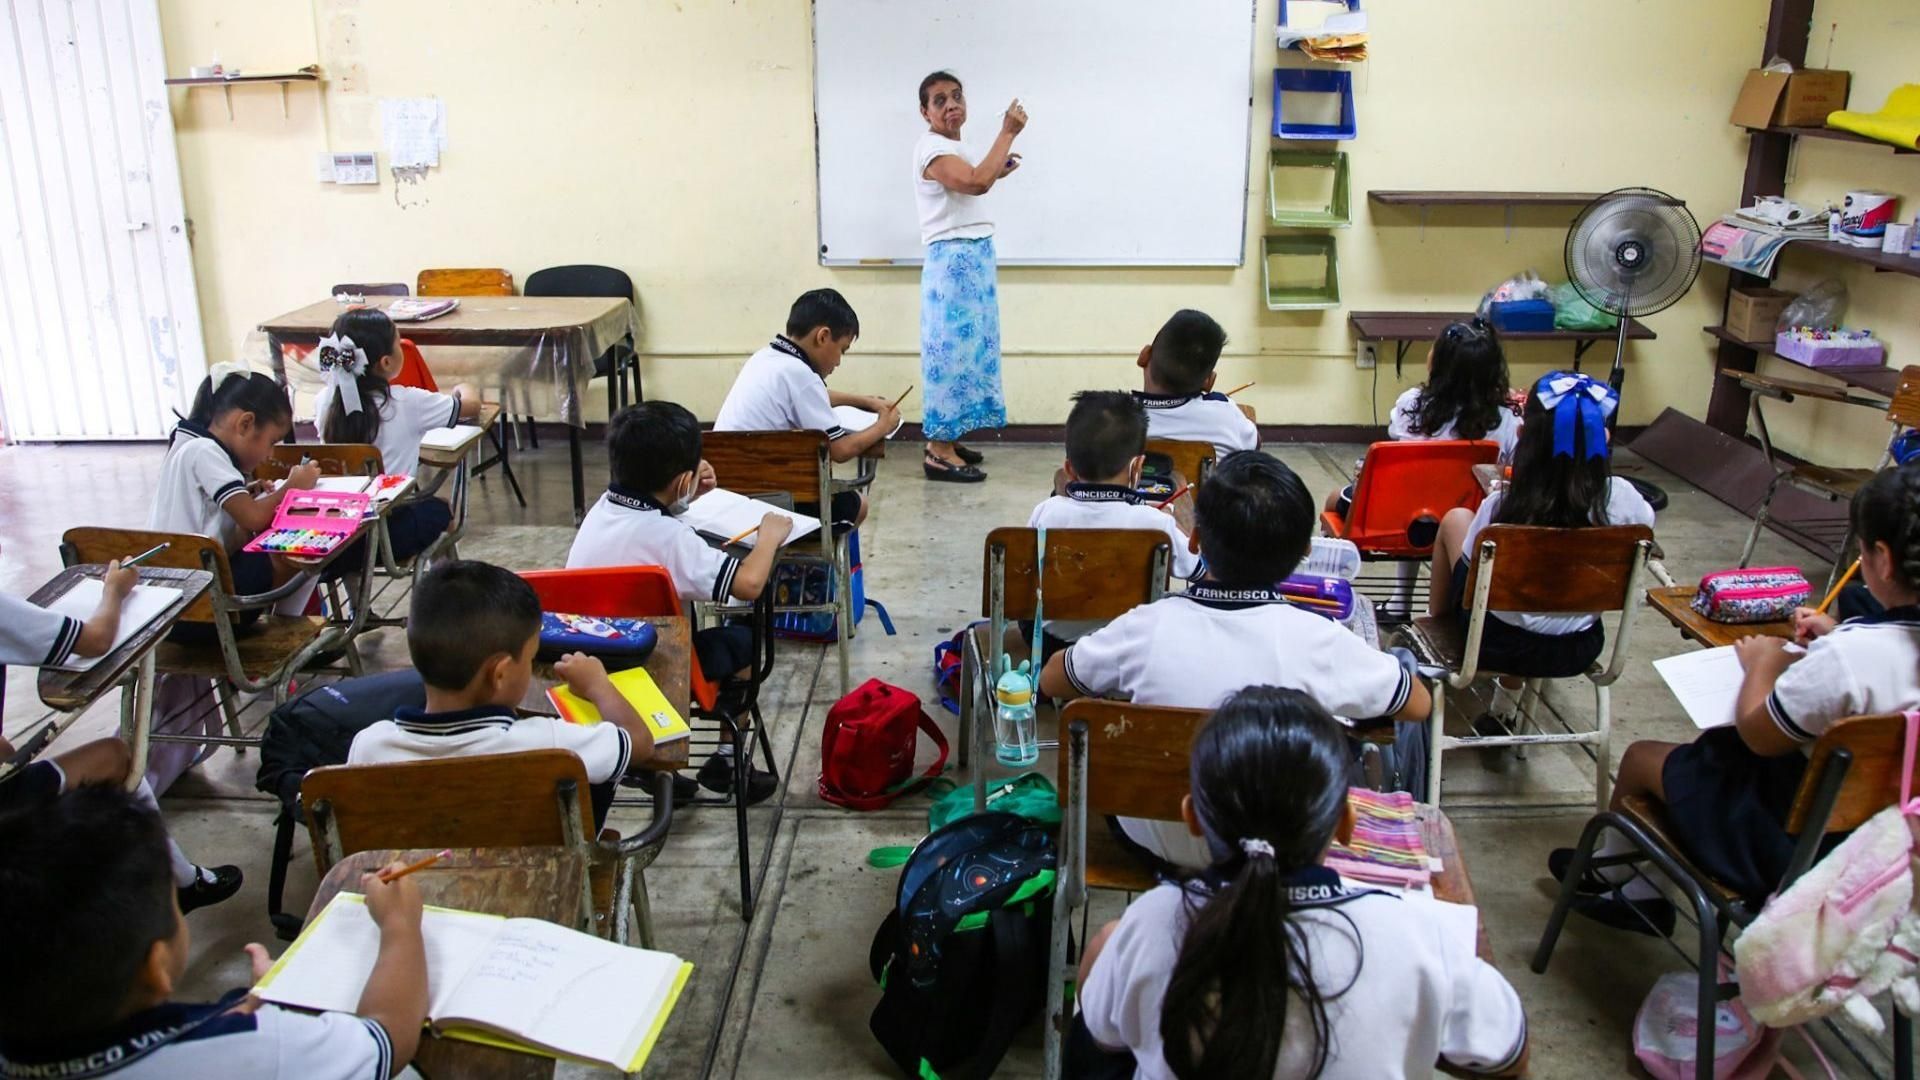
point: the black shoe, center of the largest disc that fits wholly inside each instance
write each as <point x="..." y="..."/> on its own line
<point x="1652" y="917"/>
<point x="1560" y="859"/>
<point x="685" y="789"/>
<point x="1494" y="758"/>
<point x="949" y="472"/>
<point x="717" y="776"/>
<point x="226" y="882"/>
<point x="971" y="457"/>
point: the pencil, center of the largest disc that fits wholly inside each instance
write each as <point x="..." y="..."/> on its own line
<point x="147" y="554"/>
<point x="903" y="395"/>
<point x="742" y="536"/>
<point x="1237" y="389"/>
<point x="1313" y="601"/>
<point x="1838" y="585"/>
<point x="1169" y="500"/>
<point x="390" y="876"/>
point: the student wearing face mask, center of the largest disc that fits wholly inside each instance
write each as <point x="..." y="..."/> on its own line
<point x="654" y="455"/>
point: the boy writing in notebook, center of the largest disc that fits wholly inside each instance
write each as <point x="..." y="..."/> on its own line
<point x="784" y="388"/>
<point x="472" y="633"/>
<point x="1253" y="523"/>
<point x="97" y="947"/>
<point x="1179" y="395"/>
<point x="654" y="449"/>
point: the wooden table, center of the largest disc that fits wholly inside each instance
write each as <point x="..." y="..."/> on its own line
<point x="671" y="665"/>
<point x="1406" y="327"/>
<point x="73" y="692"/>
<point x="1675" y="602"/>
<point x="1452" y="882"/>
<point x="528" y="883"/>
<point x="1787" y="389"/>
<point x="565" y="334"/>
<point x="1489" y="477"/>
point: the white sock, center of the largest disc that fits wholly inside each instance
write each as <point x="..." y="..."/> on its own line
<point x="184" y="872"/>
<point x="1505" y="702"/>
<point x="1633" y="884"/>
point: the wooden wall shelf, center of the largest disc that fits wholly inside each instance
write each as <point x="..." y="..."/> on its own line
<point x="1482" y="198"/>
<point x="1406" y="327"/>
<point x="1836" y="135"/>
<point x="308" y="74"/>
<point x="1882" y="380"/>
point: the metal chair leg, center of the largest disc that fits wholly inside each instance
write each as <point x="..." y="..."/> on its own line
<point x="230" y="711"/>
<point x="1438" y="726"/>
<point x="1603" y="747"/>
<point x="1760" y="519"/>
<point x="1708" y="971"/>
<point x="742" y="769"/>
<point x="1902" y="1046"/>
<point x="1569" y="887"/>
<point x="642" y="910"/>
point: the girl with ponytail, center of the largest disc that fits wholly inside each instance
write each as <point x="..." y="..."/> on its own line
<point x="1728" y="792"/>
<point x="1267" y="964"/>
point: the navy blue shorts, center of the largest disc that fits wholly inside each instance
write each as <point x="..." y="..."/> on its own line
<point x="1727" y="809"/>
<point x="414" y="527"/>
<point x="1515" y="650"/>
<point x="34" y="786"/>
<point x="723" y="650"/>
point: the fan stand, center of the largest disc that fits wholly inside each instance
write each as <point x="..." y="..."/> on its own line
<point x="1656" y="497"/>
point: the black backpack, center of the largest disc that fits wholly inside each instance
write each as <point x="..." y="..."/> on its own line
<point x="962" y="958"/>
<point x="312" y="730"/>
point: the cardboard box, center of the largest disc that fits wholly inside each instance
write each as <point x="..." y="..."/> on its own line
<point x="1751" y="313"/>
<point x="1802" y="99"/>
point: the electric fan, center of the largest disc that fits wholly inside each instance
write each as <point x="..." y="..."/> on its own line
<point x="1631" y="253"/>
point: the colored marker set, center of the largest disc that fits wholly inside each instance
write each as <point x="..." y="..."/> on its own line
<point x="310" y="524"/>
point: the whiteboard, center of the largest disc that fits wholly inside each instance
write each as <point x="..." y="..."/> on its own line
<point x="1135" y="152"/>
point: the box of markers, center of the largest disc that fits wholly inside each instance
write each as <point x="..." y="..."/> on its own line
<point x="311" y="524"/>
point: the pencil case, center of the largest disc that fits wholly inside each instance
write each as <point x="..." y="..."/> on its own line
<point x="1328" y="596"/>
<point x="631" y="640"/>
<point x="1752" y="594"/>
<point x="310" y="524"/>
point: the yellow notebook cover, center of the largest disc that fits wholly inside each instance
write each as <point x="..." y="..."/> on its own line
<point x="488" y="1038"/>
<point x="638" y="688"/>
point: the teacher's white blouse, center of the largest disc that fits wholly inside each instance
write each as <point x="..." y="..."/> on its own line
<point x="945" y="214"/>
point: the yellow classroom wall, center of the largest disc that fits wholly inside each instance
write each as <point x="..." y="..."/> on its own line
<point x="673" y="139"/>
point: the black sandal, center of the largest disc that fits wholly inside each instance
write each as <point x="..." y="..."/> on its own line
<point x="971" y="457"/>
<point x="947" y="471"/>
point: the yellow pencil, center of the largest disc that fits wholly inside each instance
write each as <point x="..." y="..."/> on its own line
<point x="1838" y="585"/>
<point x="391" y="876"/>
<point x="903" y="395"/>
<point x="742" y="536"/>
<point x="1237" y="389"/>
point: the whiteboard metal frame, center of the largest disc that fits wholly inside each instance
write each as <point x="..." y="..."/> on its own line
<point x="1246" y="169"/>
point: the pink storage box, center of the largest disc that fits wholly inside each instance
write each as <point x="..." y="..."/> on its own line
<point x="1828" y="354"/>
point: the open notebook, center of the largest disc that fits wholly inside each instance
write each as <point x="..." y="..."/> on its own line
<point x="525" y="984"/>
<point x="143" y="605"/>
<point x="855" y="418"/>
<point x="456" y="437"/>
<point x="1707" y="683"/>
<point x="722" y="515"/>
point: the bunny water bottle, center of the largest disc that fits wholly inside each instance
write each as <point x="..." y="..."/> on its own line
<point x="1014" y="731"/>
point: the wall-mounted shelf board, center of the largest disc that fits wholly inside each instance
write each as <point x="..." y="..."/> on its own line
<point x="226" y="83"/>
<point x="1482" y="198"/>
<point x="1881" y="380"/>
<point x="1836" y="135"/>
<point x="1406" y="327"/>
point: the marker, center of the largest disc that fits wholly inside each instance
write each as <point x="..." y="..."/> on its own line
<point x="389" y="876"/>
<point x="903" y="395"/>
<point x="1169" y="500"/>
<point x="1838" y="585"/>
<point x="1237" y="389"/>
<point x="147" y="554"/>
<point x="742" y="536"/>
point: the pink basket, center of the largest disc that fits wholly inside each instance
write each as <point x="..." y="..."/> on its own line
<point x="1824" y="354"/>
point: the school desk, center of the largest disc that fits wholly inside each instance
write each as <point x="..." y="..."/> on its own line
<point x="671" y="667"/>
<point x="518" y="882"/>
<point x="1675" y="603"/>
<point x="130" y="667"/>
<point x="543" y="349"/>
<point x="1451" y="883"/>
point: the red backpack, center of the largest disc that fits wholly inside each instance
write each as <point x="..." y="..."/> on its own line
<point x="866" y="750"/>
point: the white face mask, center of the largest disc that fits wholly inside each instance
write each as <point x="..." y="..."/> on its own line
<point x="680" y="505"/>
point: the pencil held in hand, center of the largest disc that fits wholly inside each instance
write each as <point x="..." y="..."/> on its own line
<point x="903" y="395"/>
<point x="1237" y="389"/>
<point x="1173" y="498"/>
<point x="1834" y="593"/>
<point x="390" y="875"/>
<point x="743" y="536"/>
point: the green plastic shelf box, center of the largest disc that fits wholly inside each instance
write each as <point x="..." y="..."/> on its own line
<point x="1294" y="291"/>
<point x="1285" y="210"/>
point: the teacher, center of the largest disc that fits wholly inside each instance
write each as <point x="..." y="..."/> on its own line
<point x="959" y="302"/>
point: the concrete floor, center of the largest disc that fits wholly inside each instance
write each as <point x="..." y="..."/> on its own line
<point x="788" y="993"/>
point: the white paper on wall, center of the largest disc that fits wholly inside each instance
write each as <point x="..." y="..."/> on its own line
<point x="414" y="130"/>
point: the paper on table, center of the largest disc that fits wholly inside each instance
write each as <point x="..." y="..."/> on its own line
<point x="143" y="605"/>
<point x="337" y="952"/>
<point x="855" y="418"/>
<point x="1707" y="683"/>
<point x="450" y="438"/>
<point x="723" y="515"/>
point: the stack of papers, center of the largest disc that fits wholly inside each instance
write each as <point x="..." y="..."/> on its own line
<point x="450" y="438"/>
<point x="420" y="308"/>
<point x="1707" y="683"/>
<point x="722" y="515"/>
<point x="854" y="418"/>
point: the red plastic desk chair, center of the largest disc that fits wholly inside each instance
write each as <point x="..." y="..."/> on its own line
<point x="619" y="592"/>
<point x="1402" y="492"/>
<point x="413" y="368"/>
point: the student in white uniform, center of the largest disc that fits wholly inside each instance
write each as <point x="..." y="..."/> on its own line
<point x="206" y="485"/>
<point x="784" y="388"/>
<point x="1179" y="395"/>
<point x="360" y="404"/>
<point x="1729" y="791"/>
<point x="1465" y="397"/>
<point x="1106" y="448"/>
<point x="657" y="471"/>
<point x="96" y="950"/>
<point x="472" y="631"/>
<point x="1267" y="964"/>
<point x="1253" y="523"/>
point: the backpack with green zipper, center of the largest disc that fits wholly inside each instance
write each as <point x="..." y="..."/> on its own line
<point x="962" y="958"/>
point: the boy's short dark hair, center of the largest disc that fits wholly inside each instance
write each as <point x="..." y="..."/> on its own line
<point x="86" y="888"/>
<point x="651" y="443"/>
<point x="1185" y="350"/>
<point x="1106" y="430"/>
<point x="1254" y="519"/>
<point x="822" y="307"/>
<point x="465" y="612"/>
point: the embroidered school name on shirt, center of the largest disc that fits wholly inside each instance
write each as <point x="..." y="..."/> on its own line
<point x="100" y="1062"/>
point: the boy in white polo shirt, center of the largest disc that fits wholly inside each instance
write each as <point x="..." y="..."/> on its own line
<point x="654" y="457"/>
<point x="472" y="632"/>
<point x="1179" y="395"/>
<point x="1253" y="523"/>
<point x="784" y="388"/>
<point x="96" y="948"/>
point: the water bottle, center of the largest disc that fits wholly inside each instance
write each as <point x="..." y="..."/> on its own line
<point x="1018" y="743"/>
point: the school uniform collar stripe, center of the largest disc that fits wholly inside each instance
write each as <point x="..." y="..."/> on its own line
<point x="1098" y="493"/>
<point x="1904" y="615"/>
<point x="1312" y="886"/>
<point x="635" y="500"/>
<point x="1788" y="727"/>
<point x="195" y="430"/>
<point x="1162" y="401"/>
<point x="134" y="1038"/>
<point x="64" y="642"/>
<point x="455" y="722"/>
<point x="785" y="344"/>
<point x="1230" y="598"/>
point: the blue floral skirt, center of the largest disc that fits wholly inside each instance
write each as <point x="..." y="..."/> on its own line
<point x="960" y="339"/>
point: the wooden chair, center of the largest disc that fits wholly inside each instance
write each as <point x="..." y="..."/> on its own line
<point x="796" y="464"/>
<point x="1853" y="774"/>
<point x="1095" y="574"/>
<point x="1533" y="569"/>
<point x="1831" y="483"/>
<point x="1141" y="773"/>
<point x="537" y="798"/>
<point x="475" y="281"/>
<point x="1399" y="497"/>
<point x="1192" y="460"/>
<point x="371" y="288"/>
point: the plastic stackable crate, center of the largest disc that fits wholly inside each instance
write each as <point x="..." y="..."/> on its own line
<point x="1338" y="211"/>
<point x="1319" y="295"/>
<point x="1297" y="82"/>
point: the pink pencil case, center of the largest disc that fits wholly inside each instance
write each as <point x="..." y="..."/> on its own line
<point x="310" y="524"/>
<point x="1752" y="594"/>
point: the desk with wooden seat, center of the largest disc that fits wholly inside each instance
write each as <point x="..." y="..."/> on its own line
<point x="1675" y="603"/>
<point x="670" y="664"/>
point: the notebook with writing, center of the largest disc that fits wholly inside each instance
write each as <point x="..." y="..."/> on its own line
<point x="638" y="687"/>
<point x="524" y="984"/>
<point x="721" y="515"/>
<point x="143" y="605"/>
